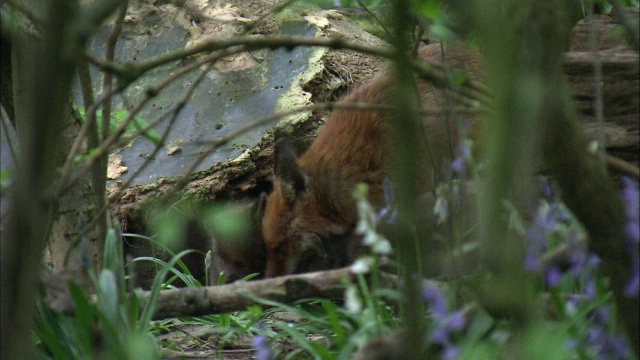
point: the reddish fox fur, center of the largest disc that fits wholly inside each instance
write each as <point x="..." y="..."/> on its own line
<point x="311" y="213"/>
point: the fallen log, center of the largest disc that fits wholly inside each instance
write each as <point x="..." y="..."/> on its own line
<point x="220" y="299"/>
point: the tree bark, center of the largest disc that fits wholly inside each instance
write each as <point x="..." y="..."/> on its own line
<point x="43" y="71"/>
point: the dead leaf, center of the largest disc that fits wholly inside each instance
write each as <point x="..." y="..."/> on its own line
<point x="115" y="168"/>
<point x="173" y="150"/>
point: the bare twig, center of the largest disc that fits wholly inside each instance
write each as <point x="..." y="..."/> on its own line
<point x="35" y="19"/>
<point x="426" y="70"/>
<point x="598" y="105"/>
<point x="622" y="166"/>
<point x="628" y="23"/>
<point x="6" y="126"/>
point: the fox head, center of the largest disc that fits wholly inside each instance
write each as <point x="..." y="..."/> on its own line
<point x="298" y="235"/>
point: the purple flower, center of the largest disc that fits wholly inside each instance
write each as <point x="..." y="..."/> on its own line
<point x="633" y="232"/>
<point x="455" y="321"/>
<point x="439" y="336"/>
<point x="630" y="193"/>
<point x="583" y="264"/>
<point x="552" y="220"/>
<point x="388" y="191"/>
<point x="537" y="239"/>
<point x="450" y="353"/>
<point x="596" y="336"/>
<point x="458" y="166"/>
<point x="608" y="344"/>
<point x="437" y="302"/>
<point x="631" y="197"/>
<point x="389" y="210"/>
<point x="261" y="344"/>
<point x="589" y="289"/>
<point x="601" y="315"/>
<point x="445" y="324"/>
<point x="532" y="261"/>
<point x="615" y="347"/>
<point x="633" y="287"/>
<point x="463" y="150"/>
<point x="554" y="277"/>
<point x="545" y="187"/>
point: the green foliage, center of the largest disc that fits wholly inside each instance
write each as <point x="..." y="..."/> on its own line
<point x="226" y="222"/>
<point x="119" y="326"/>
<point x="327" y="331"/>
<point x="183" y="273"/>
<point x="5" y="179"/>
<point x="113" y="326"/>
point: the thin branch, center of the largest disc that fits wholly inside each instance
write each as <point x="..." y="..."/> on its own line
<point x="622" y="166"/>
<point x="75" y="148"/>
<point x="432" y="72"/>
<point x="6" y="126"/>
<point x="95" y="13"/>
<point x="427" y="70"/>
<point x="37" y="20"/>
<point x="629" y="24"/>
<point x="598" y="105"/>
<point x="376" y="18"/>
<point x="108" y="78"/>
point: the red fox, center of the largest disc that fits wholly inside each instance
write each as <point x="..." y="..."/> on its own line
<point x="311" y="213"/>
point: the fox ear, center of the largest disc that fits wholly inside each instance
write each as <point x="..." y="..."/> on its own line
<point x="293" y="179"/>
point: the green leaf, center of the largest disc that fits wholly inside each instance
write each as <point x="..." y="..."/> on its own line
<point x="108" y="295"/>
<point x="429" y="8"/>
<point x="150" y="306"/>
<point x="5" y="178"/>
<point x="228" y="223"/>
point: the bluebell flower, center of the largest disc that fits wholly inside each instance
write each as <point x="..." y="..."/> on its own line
<point x="532" y="261"/>
<point x="450" y="353"/>
<point x="633" y="287"/>
<point x="607" y="344"/>
<point x="553" y="277"/>
<point x="589" y="290"/>
<point x="445" y="323"/>
<point x="463" y="150"/>
<point x="631" y="197"/>
<point x="389" y="210"/>
<point x="458" y="166"/>
<point x="261" y="344"/>
<point x="545" y="187"/>
<point x="437" y="302"/>
<point x="553" y="221"/>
